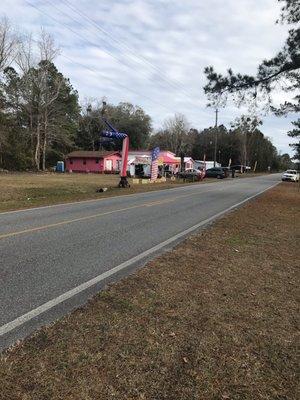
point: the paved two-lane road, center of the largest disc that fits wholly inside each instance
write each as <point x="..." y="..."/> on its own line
<point x="53" y="258"/>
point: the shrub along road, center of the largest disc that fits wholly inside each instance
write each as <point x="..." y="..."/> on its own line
<point x="215" y="318"/>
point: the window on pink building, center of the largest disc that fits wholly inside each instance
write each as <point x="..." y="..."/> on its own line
<point x="108" y="165"/>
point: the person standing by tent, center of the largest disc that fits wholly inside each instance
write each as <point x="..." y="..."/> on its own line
<point x="202" y="174"/>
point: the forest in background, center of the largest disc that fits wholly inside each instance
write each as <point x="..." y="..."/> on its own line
<point x="42" y="120"/>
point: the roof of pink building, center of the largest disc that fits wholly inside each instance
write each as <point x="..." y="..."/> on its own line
<point x="92" y="154"/>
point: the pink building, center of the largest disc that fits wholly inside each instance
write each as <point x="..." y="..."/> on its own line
<point x="93" y="161"/>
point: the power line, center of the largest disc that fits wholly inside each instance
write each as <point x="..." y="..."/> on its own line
<point x="93" y="70"/>
<point x="119" y="84"/>
<point x="133" y="55"/>
<point x="97" y="72"/>
<point x="122" y="44"/>
<point x="83" y="38"/>
<point x="70" y="29"/>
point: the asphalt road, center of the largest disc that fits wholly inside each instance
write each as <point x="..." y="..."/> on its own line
<point x="53" y="259"/>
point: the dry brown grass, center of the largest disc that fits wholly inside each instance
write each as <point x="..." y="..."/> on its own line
<point x="25" y="190"/>
<point x="216" y="318"/>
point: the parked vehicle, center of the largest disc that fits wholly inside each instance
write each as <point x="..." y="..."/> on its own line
<point x="290" y="175"/>
<point x="215" y="173"/>
<point x="189" y="173"/>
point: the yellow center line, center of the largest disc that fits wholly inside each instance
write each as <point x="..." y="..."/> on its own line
<point x="156" y="203"/>
<point x="61" y="223"/>
<point x="39" y="228"/>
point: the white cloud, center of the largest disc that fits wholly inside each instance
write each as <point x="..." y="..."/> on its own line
<point x="177" y="38"/>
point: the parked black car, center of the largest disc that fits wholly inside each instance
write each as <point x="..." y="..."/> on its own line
<point x="216" y="172"/>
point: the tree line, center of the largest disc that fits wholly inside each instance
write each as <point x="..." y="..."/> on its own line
<point x="241" y="144"/>
<point x="281" y="71"/>
<point x="41" y="119"/>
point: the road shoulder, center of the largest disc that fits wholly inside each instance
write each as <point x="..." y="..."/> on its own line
<point x="214" y="317"/>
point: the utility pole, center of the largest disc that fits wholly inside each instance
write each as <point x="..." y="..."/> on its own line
<point x="216" y="137"/>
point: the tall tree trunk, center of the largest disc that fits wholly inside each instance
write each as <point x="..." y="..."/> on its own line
<point x="245" y="149"/>
<point x="44" y="153"/>
<point x="37" y="153"/>
<point x="31" y="136"/>
<point x="45" y="142"/>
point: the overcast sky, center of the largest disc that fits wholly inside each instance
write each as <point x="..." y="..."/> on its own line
<point x="152" y="52"/>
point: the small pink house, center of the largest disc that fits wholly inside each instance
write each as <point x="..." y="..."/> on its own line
<point x="93" y="161"/>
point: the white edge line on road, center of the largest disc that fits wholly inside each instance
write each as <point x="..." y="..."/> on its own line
<point x="4" y="329"/>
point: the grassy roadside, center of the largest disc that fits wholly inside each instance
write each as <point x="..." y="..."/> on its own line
<point x="26" y="190"/>
<point x="216" y="318"/>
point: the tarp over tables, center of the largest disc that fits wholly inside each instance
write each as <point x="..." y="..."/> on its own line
<point x="146" y="160"/>
<point x="170" y="160"/>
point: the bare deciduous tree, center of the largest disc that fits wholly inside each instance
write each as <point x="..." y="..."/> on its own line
<point x="48" y="52"/>
<point x="38" y="94"/>
<point x="26" y="58"/>
<point x="176" y="129"/>
<point x="47" y="48"/>
<point x="8" y="44"/>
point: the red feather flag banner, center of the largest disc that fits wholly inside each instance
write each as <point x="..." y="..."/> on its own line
<point x="125" y="149"/>
<point x="154" y="163"/>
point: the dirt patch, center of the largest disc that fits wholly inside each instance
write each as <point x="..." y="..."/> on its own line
<point x="216" y="318"/>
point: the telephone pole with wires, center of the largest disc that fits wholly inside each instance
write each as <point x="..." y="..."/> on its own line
<point x="216" y="137"/>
